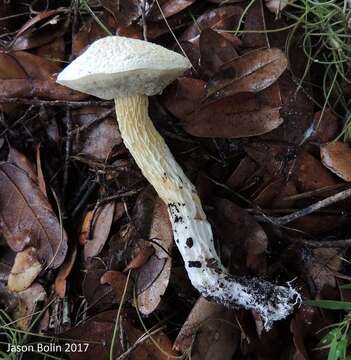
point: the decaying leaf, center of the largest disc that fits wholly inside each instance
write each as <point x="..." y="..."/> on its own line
<point x="210" y="331"/>
<point x="243" y="241"/>
<point x="161" y="235"/>
<point x="117" y="280"/>
<point x="27" y="301"/>
<point x="24" y="270"/>
<point x="168" y="7"/>
<point x="216" y="50"/>
<point x="223" y="18"/>
<point x="231" y="117"/>
<point x="336" y="156"/>
<point x="37" y="226"/>
<point x="99" y="230"/>
<point x="98" y="331"/>
<point x="143" y="255"/>
<point x="65" y="270"/>
<point x="251" y="72"/>
<point x="99" y="132"/>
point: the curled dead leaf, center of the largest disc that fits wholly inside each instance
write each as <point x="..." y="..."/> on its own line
<point x="216" y="334"/>
<point x="99" y="230"/>
<point x="24" y="270"/>
<point x="336" y="156"/>
<point x="251" y="72"/>
<point x="38" y="225"/>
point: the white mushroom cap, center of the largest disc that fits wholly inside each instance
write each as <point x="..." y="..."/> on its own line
<point x="117" y="66"/>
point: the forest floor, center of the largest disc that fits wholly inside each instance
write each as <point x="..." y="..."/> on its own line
<point x="260" y="124"/>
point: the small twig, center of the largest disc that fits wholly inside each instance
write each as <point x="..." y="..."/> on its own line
<point x="325" y="243"/>
<point x="65" y="103"/>
<point x="143" y="6"/>
<point x="119" y="195"/>
<point x="84" y="127"/>
<point x="283" y="220"/>
<point x="67" y="152"/>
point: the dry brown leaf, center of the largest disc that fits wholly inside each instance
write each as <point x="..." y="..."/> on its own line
<point x="251" y="72"/>
<point x="37" y="226"/>
<point x="101" y="226"/>
<point x="216" y="50"/>
<point x="336" y="156"/>
<point x="140" y="258"/>
<point x="243" y="241"/>
<point x="231" y="117"/>
<point x="24" y="270"/>
<point x="41" y="29"/>
<point x="216" y="334"/>
<point x="117" y="280"/>
<point x="162" y="236"/>
<point x="222" y="18"/>
<point x="65" y="270"/>
<point x="125" y="12"/>
<point x="169" y="8"/>
<point x="310" y="174"/>
<point x="99" y="329"/>
<point x="27" y="300"/>
<point x="99" y="136"/>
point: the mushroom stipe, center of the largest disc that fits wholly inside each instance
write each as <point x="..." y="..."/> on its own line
<point x="129" y="70"/>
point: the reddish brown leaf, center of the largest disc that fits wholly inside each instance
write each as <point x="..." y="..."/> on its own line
<point x="230" y="117"/>
<point x="216" y="50"/>
<point x="251" y="72"/>
<point x="169" y="8"/>
<point x="46" y="89"/>
<point x="65" y="270"/>
<point x="326" y="127"/>
<point x="223" y="18"/>
<point x="41" y="29"/>
<point x="209" y="331"/>
<point x="248" y="247"/>
<point x="27" y="301"/>
<point x="37" y="224"/>
<point x="311" y="174"/>
<point x="117" y="280"/>
<point x="98" y="330"/>
<point x="162" y="236"/>
<point x="125" y="12"/>
<point x="98" y="124"/>
<point x="336" y="156"/>
<point x="99" y="230"/>
<point x="141" y="258"/>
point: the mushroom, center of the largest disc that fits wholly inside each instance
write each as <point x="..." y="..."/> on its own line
<point x="128" y="71"/>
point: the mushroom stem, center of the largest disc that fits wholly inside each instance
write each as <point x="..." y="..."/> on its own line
<point x="192" y="232"/>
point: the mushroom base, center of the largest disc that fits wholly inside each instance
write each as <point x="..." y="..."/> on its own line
<point x="192" y="232"/>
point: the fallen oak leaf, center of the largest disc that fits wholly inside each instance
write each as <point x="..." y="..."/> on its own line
<point x="251" y="72"/>
<point x="231" y="117"/>
<point x="216" y="336"/>
<point x="99" y="229"/>
<point x="162" y="239"/>
<point x="66" y="268"/>
<point x="38" y="225"/>
<point x="46" y="89"/>
<point x="24" y="270"/>
<point x="117" y="280"/>
<point x="168" y="8"/>
<point x="141" y="258"/>
<point x="215" y="50"/>
<point x="336" y="156"/>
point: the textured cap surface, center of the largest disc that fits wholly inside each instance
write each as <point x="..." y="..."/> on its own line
<point x="117" y="66"/>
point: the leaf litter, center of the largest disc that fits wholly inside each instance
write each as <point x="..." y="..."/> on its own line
<point x="80" y="226"/>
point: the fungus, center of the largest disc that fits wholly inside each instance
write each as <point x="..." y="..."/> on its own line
<point x="128" y="71"/>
